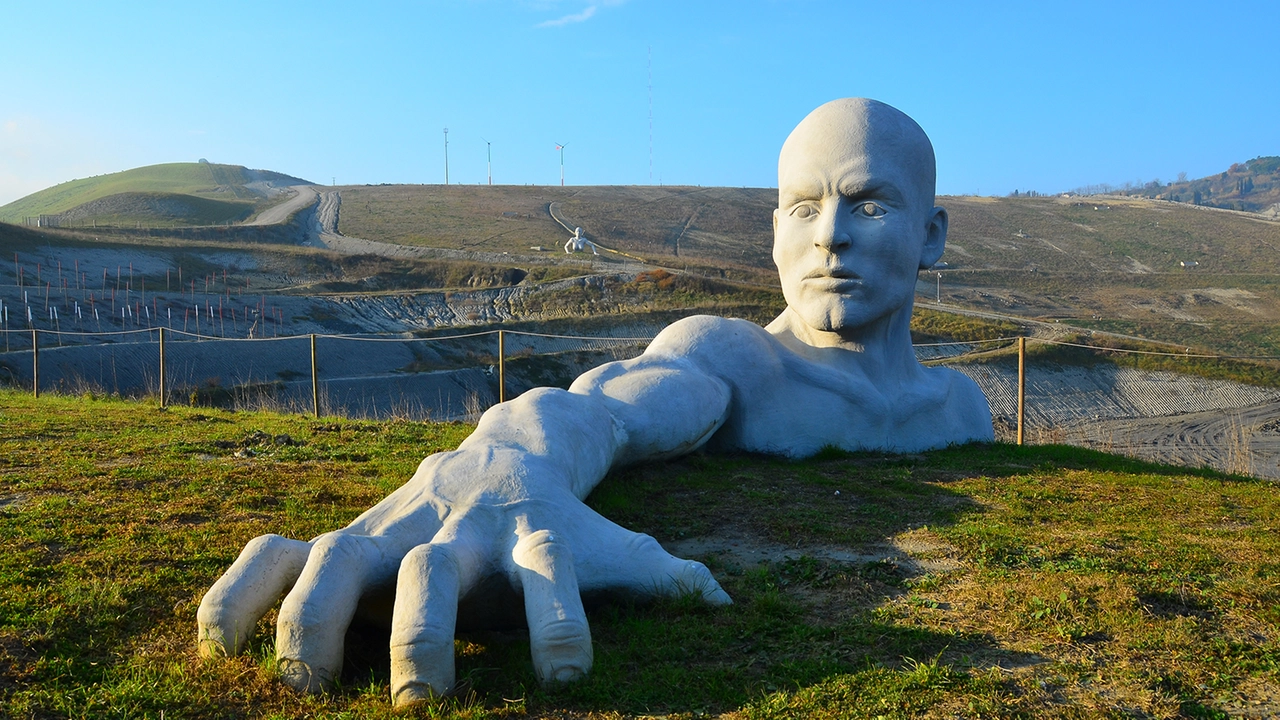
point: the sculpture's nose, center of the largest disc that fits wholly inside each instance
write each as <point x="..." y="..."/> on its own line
<point x="833" y="233"/>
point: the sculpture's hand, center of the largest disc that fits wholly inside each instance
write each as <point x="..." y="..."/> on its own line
<point x="504" y="506"/>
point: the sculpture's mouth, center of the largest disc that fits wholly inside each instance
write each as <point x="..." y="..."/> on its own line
<point x="834" y="279"/>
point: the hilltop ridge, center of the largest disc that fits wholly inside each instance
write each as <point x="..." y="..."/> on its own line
<point x="1252" y="186"/>
<point x="196" y="193"/>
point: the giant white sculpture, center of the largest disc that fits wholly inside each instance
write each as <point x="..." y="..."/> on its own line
<point x="854" y="224"/>
<point x="579" y="242"/>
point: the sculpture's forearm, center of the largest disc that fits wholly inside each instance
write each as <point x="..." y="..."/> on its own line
<point x="570" y="435"/>
<point x="642" y="409"/>
<point x="545" y="443"/>
<point x="550" y="440"/>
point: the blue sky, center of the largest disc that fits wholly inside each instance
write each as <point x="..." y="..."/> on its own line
<point x="1019" y="95"/>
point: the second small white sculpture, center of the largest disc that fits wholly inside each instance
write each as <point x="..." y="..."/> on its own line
<point x="578" y="243"/>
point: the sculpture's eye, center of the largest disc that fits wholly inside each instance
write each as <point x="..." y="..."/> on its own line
<point x="804" y="211"/>
<point x="869" y="209"/>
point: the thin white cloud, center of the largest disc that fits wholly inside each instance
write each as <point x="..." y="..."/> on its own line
<point x="569" y="19"/>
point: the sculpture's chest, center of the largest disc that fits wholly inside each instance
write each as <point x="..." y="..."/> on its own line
<point x="796" y="418"/>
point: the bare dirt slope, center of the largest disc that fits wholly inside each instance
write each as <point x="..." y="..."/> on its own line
<point x="304" y="196"/>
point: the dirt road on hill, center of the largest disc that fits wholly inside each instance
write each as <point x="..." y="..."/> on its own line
<point x="304" y="196"/>
<point x="1040" y="329"/>
<point x="327" y="212"/>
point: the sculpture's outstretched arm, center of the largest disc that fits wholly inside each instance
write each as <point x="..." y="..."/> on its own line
<point x="506" y="503"/>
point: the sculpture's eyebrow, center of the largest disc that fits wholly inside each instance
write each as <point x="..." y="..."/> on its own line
<point x="796" y="191"/>
<point x="879" y="190"/>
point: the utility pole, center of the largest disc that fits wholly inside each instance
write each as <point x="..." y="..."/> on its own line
<point x="489" y="147"/>
<point x="446" y="156"/>
<point x="650" y="114"/>
<point x="939" y="288"/>
<point x="560" y="147"/>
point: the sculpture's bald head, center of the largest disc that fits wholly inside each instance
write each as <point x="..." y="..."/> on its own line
<point x="861" y="136"/>
<point x="855" y="219"/>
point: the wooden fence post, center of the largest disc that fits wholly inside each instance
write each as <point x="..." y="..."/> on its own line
<point x="502" y="367"/>
<point x="164" y="389"/>
<point x="35" y="362"/>
<point x="315" y="379"/>
<point x="1022" y="386"/>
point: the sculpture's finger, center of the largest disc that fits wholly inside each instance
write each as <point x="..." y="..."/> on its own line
<point x="559" y="637"/>
<point x="610" y="557"/>
<point x="428" y="588"/>
<point x="653" y="567"/>
<point x="315" y="614"/>
<point x="267" y="566"/>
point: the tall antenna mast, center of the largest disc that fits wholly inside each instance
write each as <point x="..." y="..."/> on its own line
<point x="650" y="114"/>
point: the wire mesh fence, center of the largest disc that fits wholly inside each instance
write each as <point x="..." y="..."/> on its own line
<point x="1155" y="414"/>
<point x="445" y="376"/>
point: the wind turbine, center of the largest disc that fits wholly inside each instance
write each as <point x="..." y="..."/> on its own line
<point x="489" y="146"/>
<point x="560" y="147"/>
<point x="446" y="156"/>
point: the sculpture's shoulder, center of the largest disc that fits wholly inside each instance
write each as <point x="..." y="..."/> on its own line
<point x="962" y="413"/>
<point x="722" y="346"/>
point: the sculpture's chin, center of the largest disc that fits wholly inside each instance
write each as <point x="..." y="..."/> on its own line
<point x="828" y="315"/>
<point x="844" y="315"/>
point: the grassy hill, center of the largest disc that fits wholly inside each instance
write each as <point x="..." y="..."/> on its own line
<point x="221" y="193"/>
<point x="1253" y="186"/>
<point x="980" y="581"/>
<point x="157" y="208"/>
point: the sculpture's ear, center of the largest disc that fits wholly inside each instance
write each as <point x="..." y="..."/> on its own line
<point x="935" y="238"/>
<point x="775" y="223"/>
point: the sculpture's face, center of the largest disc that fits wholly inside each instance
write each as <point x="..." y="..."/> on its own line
<point x="855" y="218"/>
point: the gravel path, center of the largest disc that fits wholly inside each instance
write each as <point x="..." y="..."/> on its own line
<point x="304" y="196"/>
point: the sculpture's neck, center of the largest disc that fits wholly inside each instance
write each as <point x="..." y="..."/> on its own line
<point x="880" y="351"/>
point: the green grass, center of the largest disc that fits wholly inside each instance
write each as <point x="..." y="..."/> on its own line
<point x="372" y="273"/>
<point x="983" y="581"/>
<point x="933" y="326"/>
<point x="207" y="180"/>
<point x="157" y="208"/>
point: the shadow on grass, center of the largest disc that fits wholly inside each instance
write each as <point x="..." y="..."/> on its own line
<point x="673" y="657"/>
<point x="797" y="623"/>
